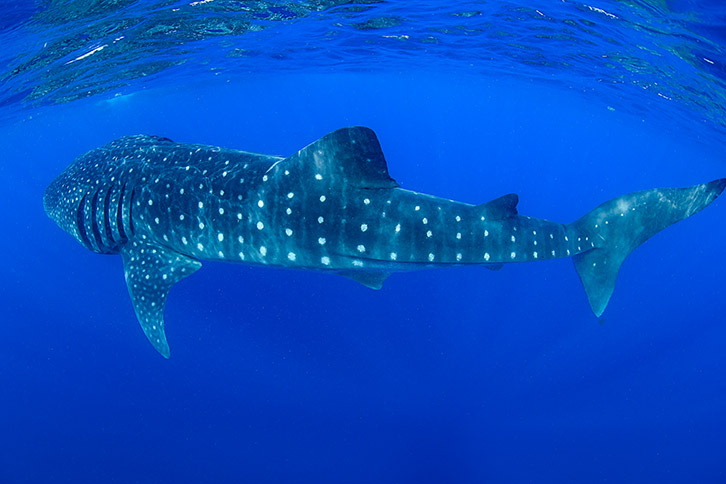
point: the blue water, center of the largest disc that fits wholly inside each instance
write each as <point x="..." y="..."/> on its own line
<point x="459" y="375"/>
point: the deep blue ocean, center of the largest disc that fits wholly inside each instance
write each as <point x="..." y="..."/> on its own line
<point x="460" y="375"/>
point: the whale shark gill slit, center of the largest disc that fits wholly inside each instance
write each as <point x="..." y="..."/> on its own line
<point x="81" y="223"/>
<point x="107" y="217"/>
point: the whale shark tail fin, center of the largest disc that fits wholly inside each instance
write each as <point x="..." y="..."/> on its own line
<point x="615" y="228"/>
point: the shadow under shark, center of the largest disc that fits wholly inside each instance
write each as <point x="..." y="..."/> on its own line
<point x="333" y="207"/>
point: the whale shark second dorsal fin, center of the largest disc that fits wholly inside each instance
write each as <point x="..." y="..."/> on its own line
<point x="349" y="155"/>
<point x="500" y="208"/>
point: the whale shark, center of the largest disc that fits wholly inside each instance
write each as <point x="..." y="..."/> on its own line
<point x="333" y="207"/>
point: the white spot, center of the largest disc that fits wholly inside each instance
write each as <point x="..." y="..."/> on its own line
<point x="288" y="211"/>
<point x="514" y="239"/>
<point x="361" y="248"/>
<point x="181" y="191"/>
<point x="265" y="178"/>
<point x="398" y="228"/>
<point x="565" y="237"/>
<point x="156" y="220"/>
<point x="263" y="251"/>
<point x="431" y="257"/>
<point x="220" y="236"/>
<point x="151" y="202"/>
<point x="239" y="216"/>
<point x="513" y="255"/>
<point x="322" y="198"/>
<point x="458" y="256"/>
<point x="458" y="219"/>
<point x="458" y="235"/>
<point x="321" y="240"/>
<point x="260" y="203"/>
<point x="363" y="227"/>
<point x="321" y="220"/>
<point x="367" y="201"/>
<point x="200" y="246"/>
<point x="291" y="255"/>
<point x="325" y="260"/>
<point x="417" y="208"/>
<point x="241" y="255"/>
<point x="290" y="195"/>
<point x="425" y="220"/>
<point x="534" y="254"/>
<point x="288" y="232"/>
<point x="318" y="176"/>
<point x="260" y="226"/>
<point x="429" y="234"/>
<point x="534" y="232"/>
<point x="184" y="240"/>
<point x="358" y="263"/>
<point x="553" y="253"/>
<point x="394" y="256"/>
<point x="201" y="204"/>
<point x="486" y="233"/>
<point x="201" y="225"/>
<point x="241" y="239"/>
<point x="221" y="211"/>
<point x="220" y="253"/>
<point x="224" y="173"/>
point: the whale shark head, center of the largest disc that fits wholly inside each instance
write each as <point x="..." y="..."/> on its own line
<point x="63" y="202"/>
<point x="87" y="201"/>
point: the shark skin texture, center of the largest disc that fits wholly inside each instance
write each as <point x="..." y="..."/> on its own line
<point x="332" y="206"/>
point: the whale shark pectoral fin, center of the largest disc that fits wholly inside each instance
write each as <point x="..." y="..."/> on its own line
<point x="500" y="208"/>
<point x="150" y="272"/>
<point x="370" y="279"/>
<point x="349" y="155"/>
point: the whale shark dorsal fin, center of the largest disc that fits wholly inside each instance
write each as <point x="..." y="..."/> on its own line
<point x="351" y="155"/>
<point x="500" y="208"/>
<point x="150" y="272"/>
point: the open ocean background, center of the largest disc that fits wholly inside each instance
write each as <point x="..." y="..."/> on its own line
<point x="445" y="376"/>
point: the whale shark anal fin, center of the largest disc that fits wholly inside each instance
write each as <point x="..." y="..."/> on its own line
<point x="150" y="271"/>
<point x="370" y="279"/>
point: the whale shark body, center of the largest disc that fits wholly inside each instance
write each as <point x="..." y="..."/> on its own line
<point x="333" y="207"/>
